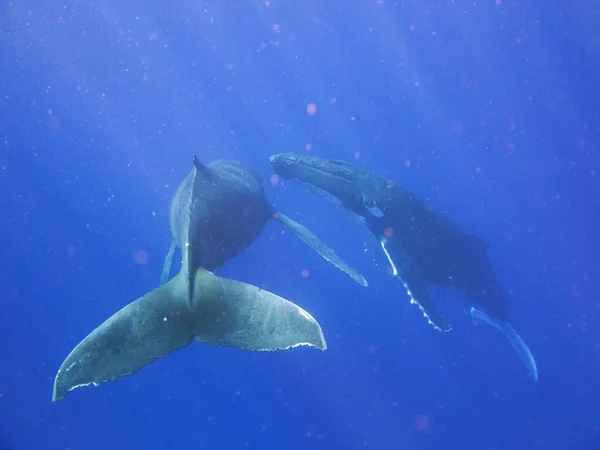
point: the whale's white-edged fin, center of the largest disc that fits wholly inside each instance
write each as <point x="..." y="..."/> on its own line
<point x="514" y="338"/>
<point x="416" y="290"/>
<point x="166" y="271"/>
<point x="318" y="246"/>
<point x="222" y="312"/>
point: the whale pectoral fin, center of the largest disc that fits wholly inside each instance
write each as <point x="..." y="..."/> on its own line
<point x="143" y="331"/>
<point x="419" y="295"/>
<point x="416" y="289"/>
<point x="317" y="245"/>
<point x="166" y="271"/>
<point x="516" y="341"/>
<point x="236" y="314"/>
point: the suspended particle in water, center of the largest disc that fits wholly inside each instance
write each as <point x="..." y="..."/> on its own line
<point x="422" y="422"/>
<point x="141" y="257"/>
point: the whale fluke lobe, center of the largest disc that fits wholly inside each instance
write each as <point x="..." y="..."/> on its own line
<point x="143" y="331"/>
<point x="222" y="312"/>
<point x="318" y="246"/>
<point x="251" y="318"/>
<point x="516" y="341"/>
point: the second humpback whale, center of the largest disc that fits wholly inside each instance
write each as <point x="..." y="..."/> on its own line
<point x="422" y="245"/>
<point x="216" y="212"/>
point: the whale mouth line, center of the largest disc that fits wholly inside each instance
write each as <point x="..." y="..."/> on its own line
<point x="318" y="166"/>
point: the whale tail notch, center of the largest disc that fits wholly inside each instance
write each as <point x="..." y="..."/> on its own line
<point x="516" y="341"/>
<point x="222" y="312"/>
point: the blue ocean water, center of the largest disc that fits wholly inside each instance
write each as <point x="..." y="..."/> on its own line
<point x="486" y="109"/>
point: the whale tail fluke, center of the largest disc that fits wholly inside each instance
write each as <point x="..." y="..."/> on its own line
<point x="222" y="312"/>
<point x="516" y="341"/>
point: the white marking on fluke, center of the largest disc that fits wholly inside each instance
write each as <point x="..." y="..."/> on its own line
<point x="304" y="314"/>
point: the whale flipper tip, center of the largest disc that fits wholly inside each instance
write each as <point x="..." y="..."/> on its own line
<point x="514" y="338"/>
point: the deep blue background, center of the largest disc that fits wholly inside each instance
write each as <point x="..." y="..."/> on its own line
<point x="489" y="110"/>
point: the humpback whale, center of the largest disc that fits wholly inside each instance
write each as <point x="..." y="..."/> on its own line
<point x="422" y="246"/>
<point x="219" y="210"/>
<point x="216" y="212"/>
